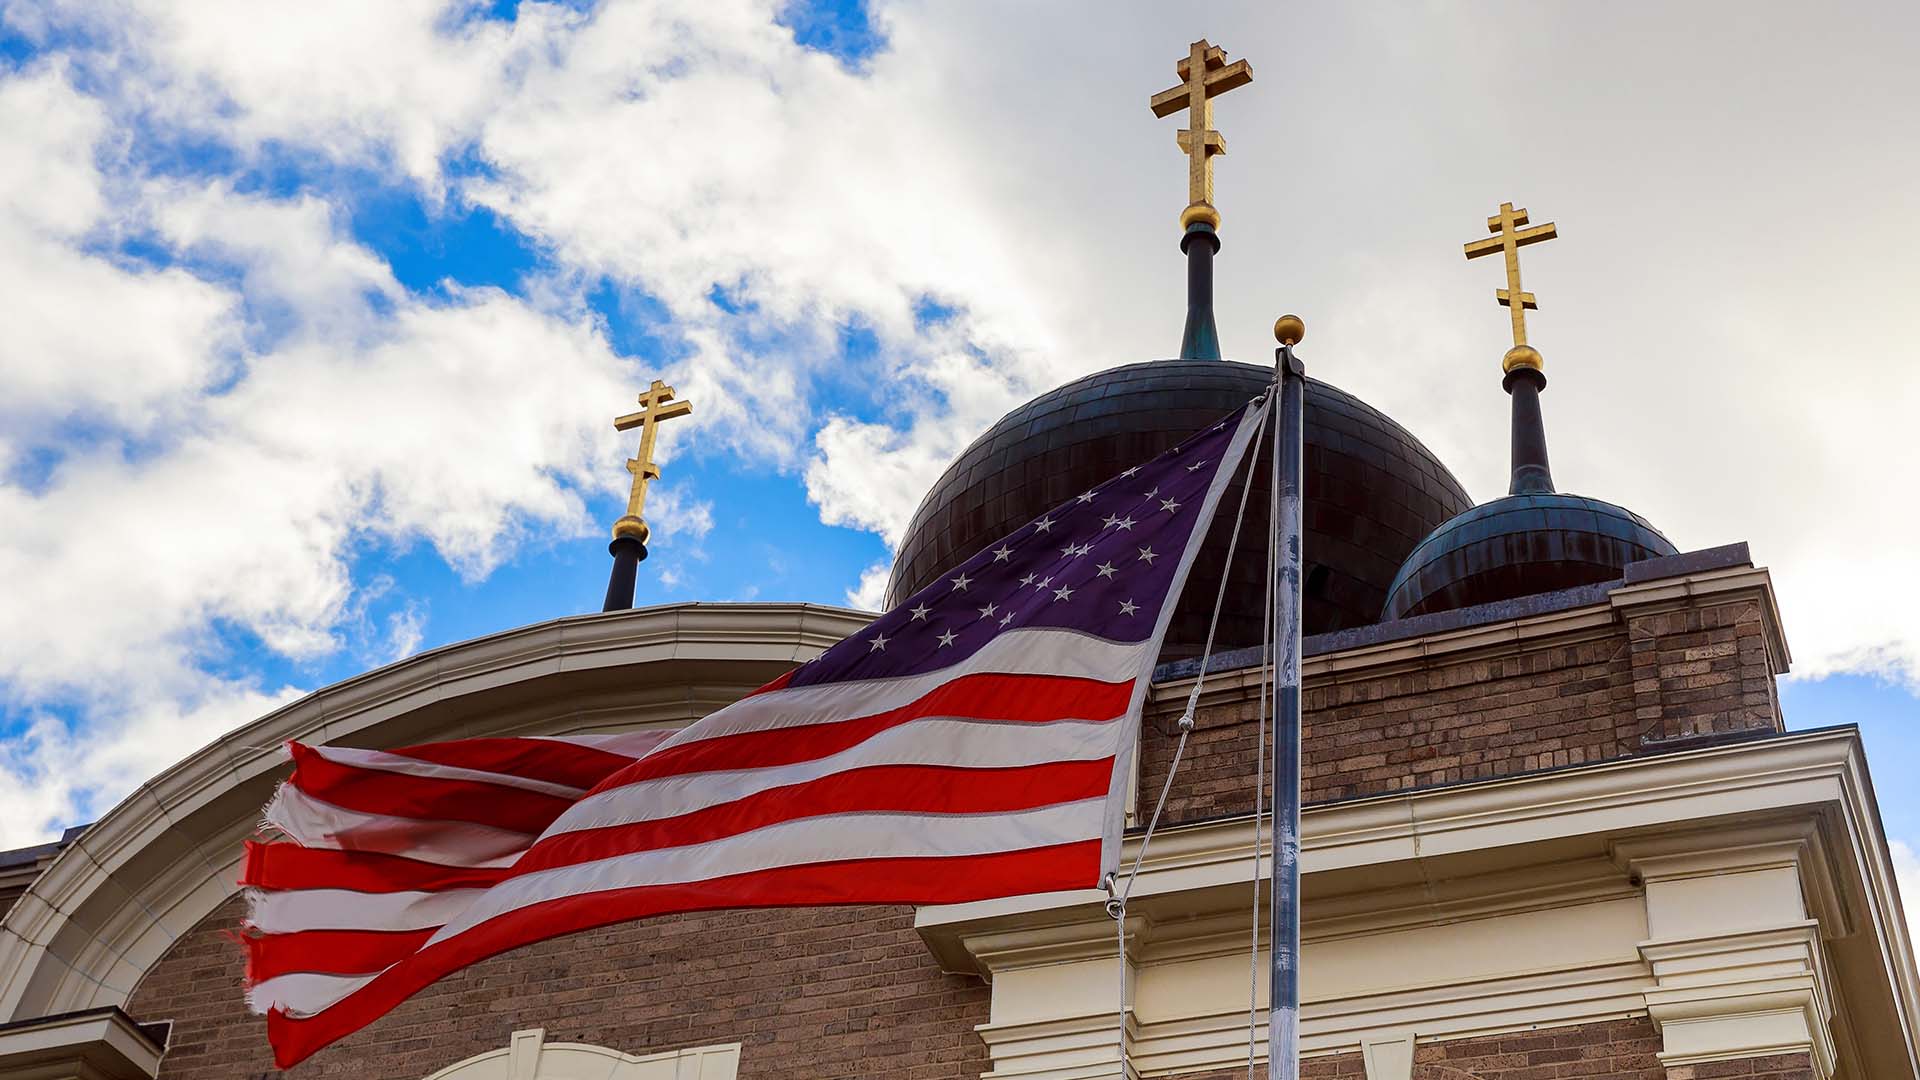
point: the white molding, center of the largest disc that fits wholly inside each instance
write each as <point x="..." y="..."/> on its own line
<point x="1544" y="846"/>
<point x="1388" y="1057"/>
<point x="529" y="1056"/>
<point x="99" y="1044"/>
<point x="112" y="903"/>
<point x="1734" y="582"/>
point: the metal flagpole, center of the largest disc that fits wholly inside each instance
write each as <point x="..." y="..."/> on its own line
<point x="1283" y="1007"/>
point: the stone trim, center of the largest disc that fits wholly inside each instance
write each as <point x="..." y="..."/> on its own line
<point x="529" y="1056"/>
<point x="99" y="1044"/>
<point x="1616" y="857"/>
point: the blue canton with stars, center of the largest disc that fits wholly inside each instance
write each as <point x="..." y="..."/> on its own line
<point x="1100" y="563"/>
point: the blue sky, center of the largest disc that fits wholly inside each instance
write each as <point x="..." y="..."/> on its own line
<point x="331" y="311"/>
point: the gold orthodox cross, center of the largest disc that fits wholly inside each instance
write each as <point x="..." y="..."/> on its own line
<point x="656" y="404"/>
<point x="1509" y="238"/>
<point x="1204" y="75"/>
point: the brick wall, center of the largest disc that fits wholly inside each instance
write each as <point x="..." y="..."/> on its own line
<point x="822" y="992"/>
<point x="1701" y="671"/>
<point x="1658" y="679"/>
<point x="1773" y="1067"/>
<point x="1615" y="1050"/>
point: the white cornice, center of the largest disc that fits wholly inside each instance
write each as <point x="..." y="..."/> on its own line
<point x="1384" y="864"/>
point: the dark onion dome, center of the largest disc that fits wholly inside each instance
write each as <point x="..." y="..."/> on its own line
<point x="1519" y="545"/>
<point x="1372" y="490"/>
<point x="1534" y="540"/>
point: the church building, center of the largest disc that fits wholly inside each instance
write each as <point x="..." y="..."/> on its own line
<point x="1555" y="825"/>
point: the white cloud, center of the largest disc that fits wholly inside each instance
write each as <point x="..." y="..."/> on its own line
<point x="672" y="513"/>
<point x="1723" y="360"/>
<point x="405" y="629"/>
<point x="359" y="413"/>
<point x="869" y="593"/>
<point x="289" y="253"/>
<point x="86" y="337"/>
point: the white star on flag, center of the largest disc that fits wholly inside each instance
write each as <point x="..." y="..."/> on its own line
<point x="946" y="638"/>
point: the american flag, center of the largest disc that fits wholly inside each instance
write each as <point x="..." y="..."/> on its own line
<point x="974" y="742"/>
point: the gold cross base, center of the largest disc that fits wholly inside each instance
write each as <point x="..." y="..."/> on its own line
<point x="631" y="526"/>
<point x="1520" y="356"/>
<point x="1199" y="214"/>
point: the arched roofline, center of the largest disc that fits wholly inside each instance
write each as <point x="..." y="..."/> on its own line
<point x="116" y="898"/>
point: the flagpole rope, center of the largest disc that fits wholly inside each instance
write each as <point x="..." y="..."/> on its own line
<point x="1269" y="649"/>
<point x="1117" y="906"/>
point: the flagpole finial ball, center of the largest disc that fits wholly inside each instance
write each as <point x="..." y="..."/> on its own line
<point x="631" y="526"/>
<point x="1289" y="329"/>
<point x="1199" y="214"/>
<point x="1520" y="356"/>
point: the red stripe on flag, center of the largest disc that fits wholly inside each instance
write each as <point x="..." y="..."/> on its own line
<point x="534" y="759"/>
<point x="329" y="952"/>
<point x="987" y="696"/>
<point x="933" y="789"/>
<point x="376" y="791"/>
<point x="290" y="866"/>
<point x="946" y="880"/>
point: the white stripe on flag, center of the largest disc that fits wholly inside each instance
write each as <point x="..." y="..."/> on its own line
<point x="633" y="744"/>
<point x="831" y="838"/>
<point x="303" y="993"/>
<point x="947" y="741"/>
<point x="1062" y="653"/>
<point x="381" y="761"/>
<point x="313" y="823"/>
<point x="290" y="912"/>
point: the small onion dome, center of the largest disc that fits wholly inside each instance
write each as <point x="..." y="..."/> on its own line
<point x="1372" y="490"/>
<point x="1517" y="546"/>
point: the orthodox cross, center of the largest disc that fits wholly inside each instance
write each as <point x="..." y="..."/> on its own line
<point x="1510" y="238"/>
<point x="657" y="404"/>
<point x="1204" y="75"/>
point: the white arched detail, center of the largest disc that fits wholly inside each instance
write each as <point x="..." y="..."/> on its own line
<point x="108" y="908"/>
<point x="529" y="1056"/>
